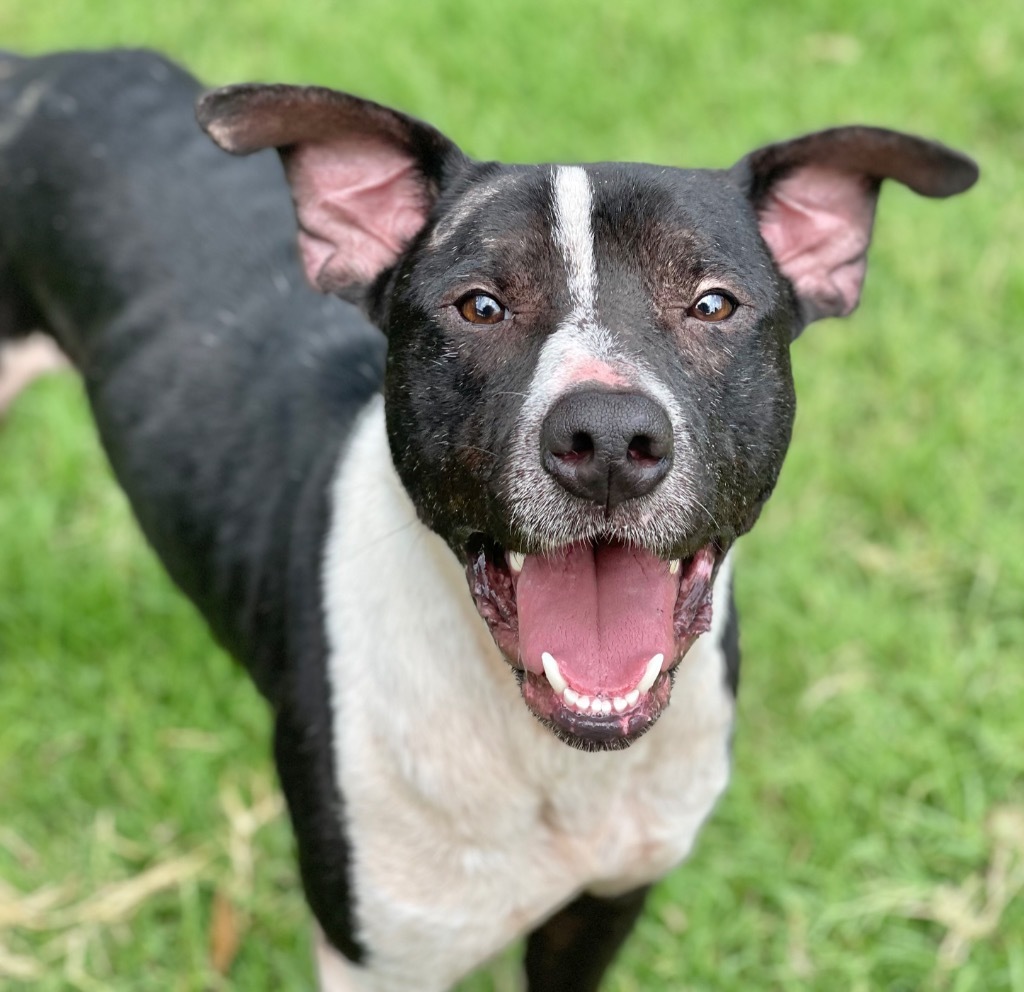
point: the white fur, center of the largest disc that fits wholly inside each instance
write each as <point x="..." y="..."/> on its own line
<point x="572" y="203"/>
<point x="469" y="821"/>
<point x="334" y="972"/>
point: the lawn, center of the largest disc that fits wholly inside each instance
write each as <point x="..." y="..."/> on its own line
<point x="873" y="836"/>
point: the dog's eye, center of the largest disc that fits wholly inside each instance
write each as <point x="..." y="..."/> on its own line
<point x="713" y="306"/>
<point x="479" y="308"/>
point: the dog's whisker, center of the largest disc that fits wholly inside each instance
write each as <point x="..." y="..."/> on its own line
<point x="483" y="451"/>
<point x="380" y="539"/>
<point x="710" y="515"/>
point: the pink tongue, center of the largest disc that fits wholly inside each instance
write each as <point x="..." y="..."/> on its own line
<point x="602" y="613"/>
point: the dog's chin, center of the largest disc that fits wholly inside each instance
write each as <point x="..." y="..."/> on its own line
<point x="590" y="731"/>
<point x="593" y="631"/>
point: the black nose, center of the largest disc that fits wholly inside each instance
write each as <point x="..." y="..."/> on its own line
<point x="607" y="447"/>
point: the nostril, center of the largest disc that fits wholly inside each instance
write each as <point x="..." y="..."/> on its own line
<point x="582" y="446"/>
<point x="644" y="451"/>
<point x="578" y="447"/>
<point x="582" y="443"/>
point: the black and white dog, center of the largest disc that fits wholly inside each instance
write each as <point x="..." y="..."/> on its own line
<point x="468" y="531"/>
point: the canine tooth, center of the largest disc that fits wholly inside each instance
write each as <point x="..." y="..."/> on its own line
<point x="620" y="704"/>
<point x="515" y="561"/>
<point x="606" y="706"/>
<point x="554" y="675"/>
<point x="595" y="706"/>
<point x="673" y="566"/>
<point x="583" y="703"/>
<point x="651" y="673"/>
<point x="570" y="697"/>
<point x="632" y="697"/>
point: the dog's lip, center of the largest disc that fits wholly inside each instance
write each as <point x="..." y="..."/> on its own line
<point x="590" y="730"/>
<point x="493" y="571"/>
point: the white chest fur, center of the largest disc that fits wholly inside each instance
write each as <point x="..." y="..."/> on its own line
<point x="469" y="821"/>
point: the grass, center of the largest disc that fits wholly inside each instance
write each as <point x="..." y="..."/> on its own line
<point x="873" y="837"/>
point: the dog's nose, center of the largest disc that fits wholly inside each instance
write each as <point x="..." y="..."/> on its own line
<point x="607" y="447"/>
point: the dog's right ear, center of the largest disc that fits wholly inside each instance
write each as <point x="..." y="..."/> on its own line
<point x="364" y="178"/>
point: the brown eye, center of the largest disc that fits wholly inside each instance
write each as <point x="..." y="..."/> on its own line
<point x="712" y="307"/>
<point x="479" y="308"/>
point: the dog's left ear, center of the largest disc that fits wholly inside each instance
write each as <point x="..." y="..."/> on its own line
<point x="364" y="177"/>
<point x="815" y="198"/>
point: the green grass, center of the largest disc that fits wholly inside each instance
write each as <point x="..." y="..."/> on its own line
<point x="878" y="797"/>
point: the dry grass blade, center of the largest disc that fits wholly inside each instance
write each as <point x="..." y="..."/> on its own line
<point x="32" y="911"/>
<point x="118" y="900"/>
<point x="244" y="821"/>
<point x="23" y="852"/>
<point x="971" y="911"/>
<point x="228" y="922"/>
<point x="17" y="965"/>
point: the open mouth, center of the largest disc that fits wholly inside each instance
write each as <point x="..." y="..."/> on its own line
<point x="594" y="630"/>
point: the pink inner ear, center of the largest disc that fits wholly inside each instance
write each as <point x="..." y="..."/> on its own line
<point x="817" y="222"/>
<point x="359" y="201"/>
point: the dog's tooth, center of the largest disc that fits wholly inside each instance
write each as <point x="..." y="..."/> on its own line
<point x="673" y="566"/>
<point x="554" y="675"/>
<point x="570" y="697"/>
<point x="606" y="706"/>
<point x="620" y="704"/>
<point x="651" y="673"/>
<point x="583" y="703"/>
<point x="515" y="561"/>
<point x="595" y="706"/>
<point x="632" y="697"/>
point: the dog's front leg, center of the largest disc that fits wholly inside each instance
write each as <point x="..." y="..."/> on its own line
<point x="571" y="951"/>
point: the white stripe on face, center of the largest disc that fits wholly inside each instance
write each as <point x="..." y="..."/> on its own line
<point x="572" y="201"/>
<point x="579" y="351"/>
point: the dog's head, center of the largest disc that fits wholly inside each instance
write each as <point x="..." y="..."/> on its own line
<point x="588" y="385"/>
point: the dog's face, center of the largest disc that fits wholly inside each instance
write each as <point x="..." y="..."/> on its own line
<point x="588" y="387"/>
<point x="589" y="398"/>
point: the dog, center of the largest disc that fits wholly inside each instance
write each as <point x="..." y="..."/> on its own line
<point x="468" y="527"/>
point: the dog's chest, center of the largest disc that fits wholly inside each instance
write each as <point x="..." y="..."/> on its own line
<point x="469" y="821"/>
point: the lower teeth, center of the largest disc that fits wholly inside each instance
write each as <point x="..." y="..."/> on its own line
<point x="600" y="706"/>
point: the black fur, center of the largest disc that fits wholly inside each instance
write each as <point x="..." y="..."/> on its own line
<point x="224" y="427"/>
<point x="571" y="951"/>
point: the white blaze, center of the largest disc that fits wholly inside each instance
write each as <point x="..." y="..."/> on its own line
<point x="573" y="202"/>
